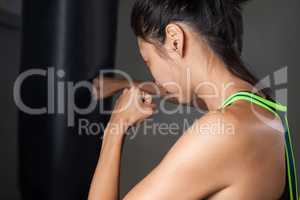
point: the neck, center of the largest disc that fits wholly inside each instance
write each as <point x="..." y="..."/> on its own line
<point x="216" y="84"/>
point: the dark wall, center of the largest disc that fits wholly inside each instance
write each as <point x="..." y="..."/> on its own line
<point x="9" y="62"/>
<point x="13" y="6"/>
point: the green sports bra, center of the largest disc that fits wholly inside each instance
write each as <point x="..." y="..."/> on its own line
<point x="291" y="188"/>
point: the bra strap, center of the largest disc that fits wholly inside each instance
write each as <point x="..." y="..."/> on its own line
<point x="274" y="105"/>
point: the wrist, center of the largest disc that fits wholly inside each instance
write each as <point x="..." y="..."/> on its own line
<point x="118" y="125"/>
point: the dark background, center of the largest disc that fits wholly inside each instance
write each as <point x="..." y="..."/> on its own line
<point x="271" y="42"/>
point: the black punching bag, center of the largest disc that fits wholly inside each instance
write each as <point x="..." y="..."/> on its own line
<point x="64" y="44"/>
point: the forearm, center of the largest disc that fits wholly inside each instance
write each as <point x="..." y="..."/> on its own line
<point x="113" y="85"/>
<point x="105" y="184"/>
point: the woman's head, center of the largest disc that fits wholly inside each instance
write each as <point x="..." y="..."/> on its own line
<point x="166" y="29"/>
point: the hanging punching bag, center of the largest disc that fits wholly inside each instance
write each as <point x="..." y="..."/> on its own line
<point x="64" y="44"/>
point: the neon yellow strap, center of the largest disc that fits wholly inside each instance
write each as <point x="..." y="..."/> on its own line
<point x="276" y="105"/>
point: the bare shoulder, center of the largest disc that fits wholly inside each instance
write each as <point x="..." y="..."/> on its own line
<point x="241" y="142"/>
<point x="217" y="152"/>
<point x="233" y="138"/>
<point x="213" y="143"/>
<point x="259" y="138"/>
<point x="216" y="128"/>
<point x="203" y="161"/>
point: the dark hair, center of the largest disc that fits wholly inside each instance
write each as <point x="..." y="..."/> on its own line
<point x="220" y="22"/>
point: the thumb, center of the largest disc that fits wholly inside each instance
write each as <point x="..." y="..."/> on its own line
<point x="149" y="109"/>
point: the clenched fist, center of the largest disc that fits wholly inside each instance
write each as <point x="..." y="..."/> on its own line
<point x="133" y="106"/>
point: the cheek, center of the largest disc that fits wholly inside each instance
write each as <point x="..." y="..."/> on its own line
<point x="170" y="81"/>
<point x="157" y="67"/>
<point x="164" y="77"/>
<point x="161" y="72"/>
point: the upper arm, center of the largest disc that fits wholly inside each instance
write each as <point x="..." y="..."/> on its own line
<point x="200" y="163"/>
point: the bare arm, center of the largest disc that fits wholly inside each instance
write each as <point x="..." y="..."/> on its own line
<point x="105" y="184"/>
<point x="129" y="109"/>
<point x="105" y="87"/>
<point x="195" y="167"/>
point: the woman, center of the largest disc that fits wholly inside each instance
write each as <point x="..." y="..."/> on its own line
<point x="196" y="46"/>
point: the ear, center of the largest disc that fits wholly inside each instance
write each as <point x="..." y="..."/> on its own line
<point x="175" y="39"/>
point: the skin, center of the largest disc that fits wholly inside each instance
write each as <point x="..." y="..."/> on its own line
<point x="246" y="162"/>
